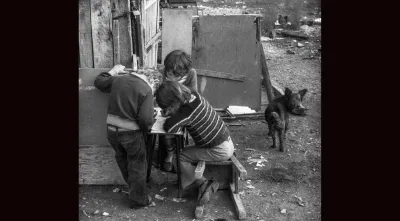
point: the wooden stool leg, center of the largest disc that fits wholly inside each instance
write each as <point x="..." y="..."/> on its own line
<point x="241" y="212"/>
<point x="234" y="189"/>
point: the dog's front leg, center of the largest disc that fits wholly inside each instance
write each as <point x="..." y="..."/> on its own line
<point x="286" y="125"/>
<point x="270" y="132"/>
<point x="281" y="140"/>
<point x="273" y="139"/>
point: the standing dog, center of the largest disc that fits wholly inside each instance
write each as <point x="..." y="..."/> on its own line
<point x="277" y="114"/>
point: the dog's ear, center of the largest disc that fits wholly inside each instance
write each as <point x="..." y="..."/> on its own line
<point x="288" y="92"/>
<point x="302" y="93"/>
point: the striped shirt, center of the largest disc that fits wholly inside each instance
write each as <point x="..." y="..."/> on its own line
<point x="203" y="123"/>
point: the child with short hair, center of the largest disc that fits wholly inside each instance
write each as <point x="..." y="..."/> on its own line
<point x="129" y="118"/>
<point x="210" y="134"/>
<point x="177" y="67"/>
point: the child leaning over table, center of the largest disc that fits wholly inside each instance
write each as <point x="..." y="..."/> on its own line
<point x="177" y="67"/>
<point x="210" y="134"/>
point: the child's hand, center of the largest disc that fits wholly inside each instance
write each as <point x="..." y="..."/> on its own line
<point x="117" y="69"/>
<point x="153" y="84"/>
<point x="155" y="113"/>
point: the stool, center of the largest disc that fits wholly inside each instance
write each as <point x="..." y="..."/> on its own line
<point x="230" y="171"/>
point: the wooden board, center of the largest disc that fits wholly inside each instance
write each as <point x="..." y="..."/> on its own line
<point x="222" y="75"/>
<point x="92" y="109"/>
<point x="139" y="37"/>
<point x="277" y="89"/>
<point x="97" y="165"/>
<point x="85" y="35"/>
<point x="240" y="210"/>
<point x="150" y="30"/>
<point x="241" y="171"/>
<point x="116" y="42"/>
<point x="214" y="74"/>
<point x="176" y="31"/>
<point x="265" y="74"/>
<point x="101" y="33"/>
<point x="228" y="44"/>
<point x="125" y="47"/>
<point x="149" y="12"/>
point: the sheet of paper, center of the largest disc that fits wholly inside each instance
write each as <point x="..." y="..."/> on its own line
<point x="158" y="125"/>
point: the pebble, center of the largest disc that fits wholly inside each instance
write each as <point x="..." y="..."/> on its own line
<point x="163" y="189"/>
<point x="116" y="190"/>
<point x="159" y="197"/>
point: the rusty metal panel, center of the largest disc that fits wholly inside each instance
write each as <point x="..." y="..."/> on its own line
<point x="176" y="31"/>
<point x="228" y="44"/>
<point x="92" y="109"/>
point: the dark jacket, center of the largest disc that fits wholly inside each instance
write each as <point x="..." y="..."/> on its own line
<point x="130" y="98"/>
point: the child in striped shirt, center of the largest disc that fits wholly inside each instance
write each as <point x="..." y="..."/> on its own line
<point x="177" y="67"/>
<point x="210" y="134"/>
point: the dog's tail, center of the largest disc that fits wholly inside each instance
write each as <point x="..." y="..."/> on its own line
<point x="279" y="124"/>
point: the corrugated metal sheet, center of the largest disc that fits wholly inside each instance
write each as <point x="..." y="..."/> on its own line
<point x="176" y="31"/>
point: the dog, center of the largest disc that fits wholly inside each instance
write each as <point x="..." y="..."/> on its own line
<point x="277" y="114"/>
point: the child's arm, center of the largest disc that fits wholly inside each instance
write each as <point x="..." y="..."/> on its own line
<point x="145" y="114"/>
<point x="191" y="81"/>
<point x="181" y="118"/>
<point x="104" y="80"/>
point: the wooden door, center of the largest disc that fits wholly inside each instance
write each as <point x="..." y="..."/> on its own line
<point x="150" y="31"/>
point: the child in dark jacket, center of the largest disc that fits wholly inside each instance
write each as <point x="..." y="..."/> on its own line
<point x="210" y="134"/>
<point x="129" y="118"/>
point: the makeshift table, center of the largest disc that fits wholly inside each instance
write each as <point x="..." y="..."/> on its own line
<point x="156" y="130"/>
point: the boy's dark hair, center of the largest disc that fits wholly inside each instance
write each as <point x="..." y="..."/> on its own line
<point x="178" y="62"/>
<point x="172" y="93"/>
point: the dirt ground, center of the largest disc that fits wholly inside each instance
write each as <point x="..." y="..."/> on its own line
<point x="280" y="186"/>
